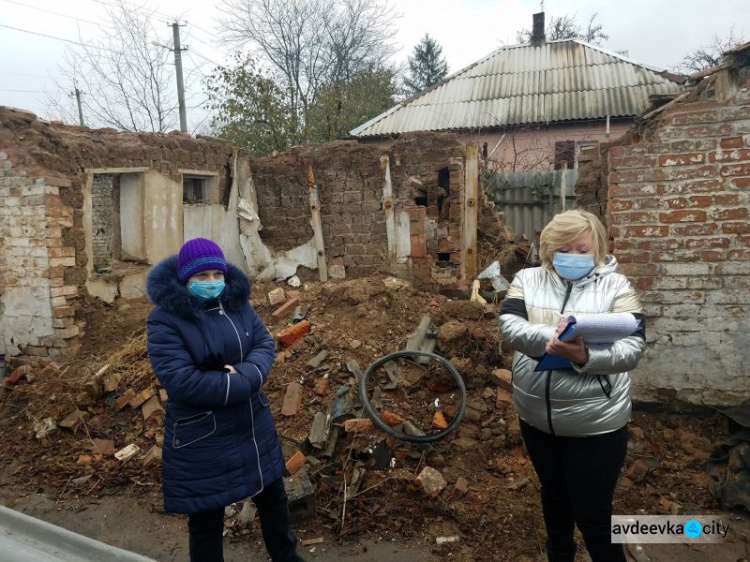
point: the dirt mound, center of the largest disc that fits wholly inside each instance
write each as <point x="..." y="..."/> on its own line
<point x="63" y="425"/>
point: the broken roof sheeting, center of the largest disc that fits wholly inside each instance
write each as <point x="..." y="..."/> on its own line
<point x="522" y="84"/>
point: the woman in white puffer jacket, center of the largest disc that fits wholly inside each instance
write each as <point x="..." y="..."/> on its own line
<point x="573" y="421"/>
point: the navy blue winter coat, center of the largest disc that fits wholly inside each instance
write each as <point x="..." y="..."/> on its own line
<point x="220" y="444"/>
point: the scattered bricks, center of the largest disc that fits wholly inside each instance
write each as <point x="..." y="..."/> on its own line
<point x="83" y="460"/>
<point x="295" y="462"/>
<point x="461" y="487"/>
<point x="153" y="457"/>
<point x="301" y="495"/>
<point x="293" y="334"/>
<point x="74" y="418"/>
<point x="439" y="421"/>
<point x="502" y="378"/>
<point x="431" y="482"/>
<point x="391" y="418"/>
<point x="127" y="453"/>
<point x="285" y="309"/>
<point x="152" y="408"/>
<point x="141" y="397"/>
<point x="292" y="399"/>
<point x="359" y="425"/>
<point x="504" y="398"/>
<point x="163" y="396"/>
<point x="125" y="399"/>
<point x="105" y="447"/>
<point x="111" y="381"/>
<point x="277" y="296"/>
<point x="15" y="376"/>
<point x="637" y="471"/>
<point x="321" y="386"/>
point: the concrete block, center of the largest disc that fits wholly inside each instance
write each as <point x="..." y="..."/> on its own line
<point x="301" y="496"/>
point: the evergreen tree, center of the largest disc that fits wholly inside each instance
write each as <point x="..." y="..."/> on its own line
<point x="426" y="66"/>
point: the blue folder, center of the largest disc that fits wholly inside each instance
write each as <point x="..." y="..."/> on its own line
<point x="550" y="362"/>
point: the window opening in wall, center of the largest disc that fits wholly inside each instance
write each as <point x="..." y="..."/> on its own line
<point x="444" y="257"/>
<point x="443" y="192"/>
<point x="105" y="218"/>
<point x="421" y="201"/>
<point x="194" y="190"/>
<point x="565" y="153"/>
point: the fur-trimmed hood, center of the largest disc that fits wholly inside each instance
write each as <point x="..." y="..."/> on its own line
<point x="164" y="288"/>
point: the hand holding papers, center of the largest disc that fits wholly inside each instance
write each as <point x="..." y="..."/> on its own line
<point x="593" y="328"/>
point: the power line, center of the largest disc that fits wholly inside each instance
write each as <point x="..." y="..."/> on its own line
<point x="54" y="13"/>
<point x="56" y="38"/>
<point x="22" y="74"/>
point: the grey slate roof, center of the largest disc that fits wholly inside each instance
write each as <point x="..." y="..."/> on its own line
<point x="522" y="84"/>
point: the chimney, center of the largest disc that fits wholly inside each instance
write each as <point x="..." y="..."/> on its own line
<point x="537" y="33"/>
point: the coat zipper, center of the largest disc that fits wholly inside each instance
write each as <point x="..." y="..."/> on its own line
<point x="250" y="400"/>
<point x="549" y="373"/>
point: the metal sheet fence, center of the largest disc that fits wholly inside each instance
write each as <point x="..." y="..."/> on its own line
<point x="530" y="199"/>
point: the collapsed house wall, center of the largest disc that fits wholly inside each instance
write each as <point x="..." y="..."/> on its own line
<point x="59" y="189"/>
<point x="90" y="211"/>
<point x="678" y="200"/>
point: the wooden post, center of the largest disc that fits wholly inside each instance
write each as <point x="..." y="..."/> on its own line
<point x="390" y="219"/>
<point x="315" y="221"/>
<point x="471" y="204"/>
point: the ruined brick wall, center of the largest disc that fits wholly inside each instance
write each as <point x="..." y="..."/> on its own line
<point x="427" y="172"/>
<point x="349" y="177"/>
<point x="33" y="258"/>
<point x="678" y="210"/>
<point x="42" y="244"/>
<point x="350" y="190"/>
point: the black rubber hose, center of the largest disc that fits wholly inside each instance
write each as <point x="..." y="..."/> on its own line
<point x="380" y="424"/>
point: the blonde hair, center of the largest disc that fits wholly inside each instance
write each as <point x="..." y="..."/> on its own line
<point x="566" y="227"/>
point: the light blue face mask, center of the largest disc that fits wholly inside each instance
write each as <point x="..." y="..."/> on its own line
<point x="206" y="289"/>
<point x="572" y="266"/>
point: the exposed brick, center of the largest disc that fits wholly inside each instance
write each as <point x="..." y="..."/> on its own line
<point x="726" y="199"/>
<point x="292" y="399"/>
<point x="730" y="214"/>
<point x="732" y="142"/>
<point x="285" y="309"/>
<point x="730" y="156"/>
<point x="683" y="216"/>
<point x="650" y="231"/>
<point x="735" y="170"/>
<point x="293" y="333"/>
<point x="695" y="229"/>
<point x="705" y="116"/>
<point x="682" y="159"/>
<point x="740" y="183"/>
<point x="295" y="462"/>
<point x="735" y="228"/>
<point x="688" y="187"/>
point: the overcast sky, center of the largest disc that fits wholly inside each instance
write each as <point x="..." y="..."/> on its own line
<point x="654" y="32"/>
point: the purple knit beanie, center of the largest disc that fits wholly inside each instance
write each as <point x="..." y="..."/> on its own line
<point x="199" y="254"/>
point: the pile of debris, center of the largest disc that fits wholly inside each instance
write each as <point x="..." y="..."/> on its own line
<point x="95" y="425"/>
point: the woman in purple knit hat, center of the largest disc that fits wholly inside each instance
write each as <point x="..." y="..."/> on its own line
<point x="212" y="354"/>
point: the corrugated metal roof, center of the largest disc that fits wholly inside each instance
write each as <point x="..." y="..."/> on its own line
<point x="522" y="84"/>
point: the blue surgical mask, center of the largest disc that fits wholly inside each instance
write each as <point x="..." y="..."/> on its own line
<point x="573" y="266"/>
<point x="206" y="289"/>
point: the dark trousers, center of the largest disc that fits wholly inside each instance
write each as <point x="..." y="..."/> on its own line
<point x="578" y="477"/>
<point x="206" y="528"/>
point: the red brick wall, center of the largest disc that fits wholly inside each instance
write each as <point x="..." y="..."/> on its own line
<point x="678" y="212"/>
